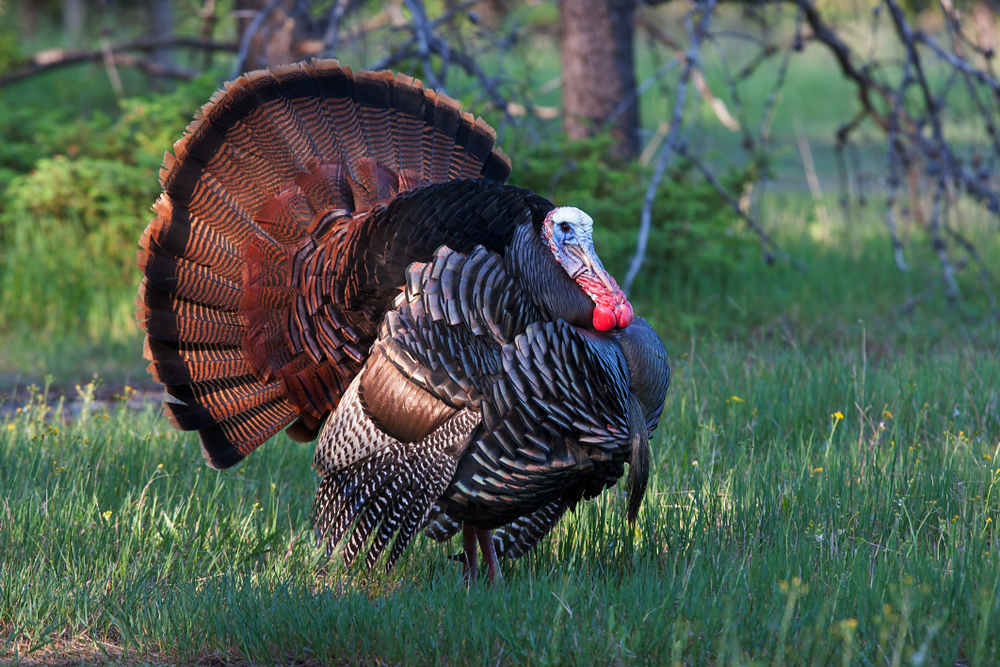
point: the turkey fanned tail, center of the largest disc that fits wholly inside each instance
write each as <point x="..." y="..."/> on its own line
<point x="273" y="254"/>
<point x="389" y="494"/>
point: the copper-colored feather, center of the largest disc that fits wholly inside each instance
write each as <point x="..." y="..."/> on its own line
<point x="246" y="300"/>
<point x="336" y="250"/>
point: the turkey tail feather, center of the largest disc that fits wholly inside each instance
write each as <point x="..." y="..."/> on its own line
<point x="271" y="184"/>
<point x="638" y="465"/>
<point x="391" y="491"/>
<point x="521" y="535"/>
<point x="388" y="493"/>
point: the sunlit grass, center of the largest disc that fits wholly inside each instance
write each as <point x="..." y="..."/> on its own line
<point x="826" y="486"/>
<point x="806" y="505"/>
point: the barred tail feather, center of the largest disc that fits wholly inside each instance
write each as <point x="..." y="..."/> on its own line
<point x="388" y="495"/>
<point x="522" y="534"/>
<point x="242" y="299"/>
<point x="391" y="491"/>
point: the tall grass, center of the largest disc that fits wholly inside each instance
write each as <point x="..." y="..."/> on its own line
<point x="806" y="506"/>
<point x="825" y="487"/>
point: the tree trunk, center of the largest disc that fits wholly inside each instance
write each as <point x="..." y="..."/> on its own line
<point x="599" y="70"/>
<point x="161" y="15"/>
<point x="72" y="21"/>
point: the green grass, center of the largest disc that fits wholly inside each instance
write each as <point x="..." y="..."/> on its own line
<point x="774" y="532"/>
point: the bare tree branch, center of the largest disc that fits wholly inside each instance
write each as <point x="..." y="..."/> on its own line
<point x="770" y="247"/>
<point x="258" y="20"/>
<point x="984" y="273"/>
<point x="45" y="61"/>
<point x="697" y="33"/>
<point x="717" y="105"/>
<point x="911" y="113"/>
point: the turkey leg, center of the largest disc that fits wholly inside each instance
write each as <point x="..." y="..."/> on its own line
<point x="470" y="536"/>
<point x="470" y="555"/>
<point x="489" y="554"/>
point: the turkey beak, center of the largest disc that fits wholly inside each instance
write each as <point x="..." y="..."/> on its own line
<point x="592" y="271"/>
<point x="602" y="288"/>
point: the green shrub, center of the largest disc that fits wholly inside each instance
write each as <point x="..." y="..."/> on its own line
<point x="76" y="196"/>
<point x="70" y="226"/>
<point x="10" y="47"/>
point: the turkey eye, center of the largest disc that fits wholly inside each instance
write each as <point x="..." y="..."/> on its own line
<point x="564" y="227"/>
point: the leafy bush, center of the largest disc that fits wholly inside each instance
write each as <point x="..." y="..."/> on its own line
<point x="10" y="48"/>
<point x="76" y="196"/>
<point x="69" y="227"/>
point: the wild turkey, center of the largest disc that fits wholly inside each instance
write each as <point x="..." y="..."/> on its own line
<point x="337" y="254"/>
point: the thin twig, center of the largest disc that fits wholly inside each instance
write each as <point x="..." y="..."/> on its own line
<point x="947" y="270"/>
<point x="770" y="105"/>
<point x="770" y="247"/>
<point x="425" y="36"/>
<point x="631" y="98"/>
<point x="660" y="35"/>
<point x="331" y="37"/>
<point x="691" y="58"/>
<point x="734" y="95"/>
<point x="893" y="157"/>
<point x="248" y="34"/>
<point x="108" y="56"/>
<point x="984" y="273"/>
<point x="45" y="61"/>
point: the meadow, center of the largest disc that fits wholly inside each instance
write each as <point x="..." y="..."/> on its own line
<point x="808" y="506"/>
<point x="825" y="485"/>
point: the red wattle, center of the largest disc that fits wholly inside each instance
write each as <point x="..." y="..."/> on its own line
<point x="624" y="314"/>
<point x="604" y="318"/>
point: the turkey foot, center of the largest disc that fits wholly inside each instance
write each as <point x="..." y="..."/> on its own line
<point x="470" y="536"/>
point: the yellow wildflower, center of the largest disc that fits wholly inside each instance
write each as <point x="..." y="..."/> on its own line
<point x="737" y="399"/>
<point x="837" y="415"/>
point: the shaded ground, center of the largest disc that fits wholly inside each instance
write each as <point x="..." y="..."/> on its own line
<point x="105" y="397"/>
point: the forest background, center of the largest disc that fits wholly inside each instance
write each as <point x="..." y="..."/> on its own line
<point x="820" y="253"/>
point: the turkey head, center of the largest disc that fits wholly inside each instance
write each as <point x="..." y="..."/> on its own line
<point x="569" y="234"/>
